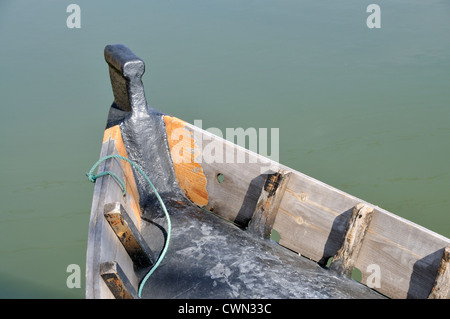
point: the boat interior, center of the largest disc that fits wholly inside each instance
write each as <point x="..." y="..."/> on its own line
<point x="241" y="227"/>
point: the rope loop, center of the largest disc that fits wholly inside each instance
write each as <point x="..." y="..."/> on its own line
<point x="93" y="177"/>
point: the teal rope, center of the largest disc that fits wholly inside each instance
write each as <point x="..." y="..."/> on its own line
<point x="92" y="177"/>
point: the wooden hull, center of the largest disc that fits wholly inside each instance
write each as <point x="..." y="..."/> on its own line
<point x="225" y="202"/>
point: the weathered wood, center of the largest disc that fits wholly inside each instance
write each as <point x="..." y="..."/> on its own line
<point x="117" y="281"/>
<point x="345" y="258"/>
<point x="313" y="217"/>
<point x="132" y="197"/>
<point x="408" y="255"/>
<point x="128" y="234"/>
<point x="103" y="244"/>
<point x="243" y="174"/>
<point x="441" y="287"/>
<point x="312" y="220"/>
<point x="184" y="154"/>
<point x="269" y="203"/>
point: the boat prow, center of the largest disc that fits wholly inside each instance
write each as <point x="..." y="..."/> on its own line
<point x="212" y="235"/>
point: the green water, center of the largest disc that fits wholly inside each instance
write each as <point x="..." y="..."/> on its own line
<point x="364" y="110"/>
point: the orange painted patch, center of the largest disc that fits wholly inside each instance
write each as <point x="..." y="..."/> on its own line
<point x="113" y="133"/>
<point x="183" y="151"/>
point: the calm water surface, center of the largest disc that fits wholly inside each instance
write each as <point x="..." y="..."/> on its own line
<point x="364" y="110"/>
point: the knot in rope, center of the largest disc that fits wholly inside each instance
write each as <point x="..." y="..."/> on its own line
<point x="91" y="177"/>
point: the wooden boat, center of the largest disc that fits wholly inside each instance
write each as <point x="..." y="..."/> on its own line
<point x="223" y="214"/>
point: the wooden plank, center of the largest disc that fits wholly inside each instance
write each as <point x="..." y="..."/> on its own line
<point x="103" y="244"/>
<point x="406" y="254"/>
<point x="117" y="281"/>
<point x="129" y="235"/>
<point x="110" y="248"/>
<point x="93" y="254"/>
<point x="268" y="204"/>
<point x="312" y="222"/>
<point x="345" y="258"/>
<point x="127" y="175"/>
<point x="183" y="151"/>
<point x="243" y="174"/>
<point x="441" y="287"/>
<point x="312" y="219"/>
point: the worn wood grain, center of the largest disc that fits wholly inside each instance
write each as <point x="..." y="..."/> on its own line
<point x="113" y="133"/>
<point x="184" y="153"/>
<point x="313" y="217"/>
<point x="357" y="226"/>
<point x="312" y="220"/>
<point x="128" y="234"/>
<point x="243" y="172"/>
<point x="116" y="280"/>
<point x="103" y="244"/>
<point x="268" y="204"/>
<point x="441" y="287"/>
<point x="407" y="255"/>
